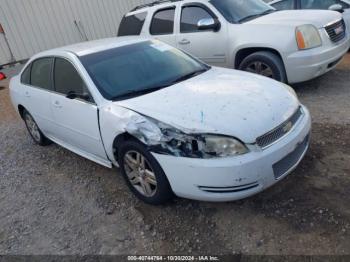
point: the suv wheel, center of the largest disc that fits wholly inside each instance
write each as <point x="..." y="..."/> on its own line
<point x="143" y="174"/>
<point x="34" y="130"/>
<point x="265" y="63"/>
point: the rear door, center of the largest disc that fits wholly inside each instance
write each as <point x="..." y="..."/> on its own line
<point x="76" y="117"/>
<point x="208" y="45"/>
<point x="37" y="89"/>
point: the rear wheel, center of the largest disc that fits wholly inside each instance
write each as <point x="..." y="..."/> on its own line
<point x="143" y="174"/>
<point x="266" y="64"/>
<point x="34" y="130"/>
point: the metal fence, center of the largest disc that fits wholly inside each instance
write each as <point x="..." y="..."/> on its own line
<point x="31" y="26"/>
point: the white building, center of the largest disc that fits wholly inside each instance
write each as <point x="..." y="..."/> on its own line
<point x="31" y="26"/>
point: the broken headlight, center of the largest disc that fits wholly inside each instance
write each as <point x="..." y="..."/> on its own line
<point x="200" y="146"/>
<point x="222" y="146"/>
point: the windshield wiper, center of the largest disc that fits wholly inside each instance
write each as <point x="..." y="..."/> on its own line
<point x="135" y="93"/>
<point x="251" y="17"/>
<point x="189" y="75"/>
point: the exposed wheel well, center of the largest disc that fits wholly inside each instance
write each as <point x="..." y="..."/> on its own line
<point x="243" y="53"/>
<point x="21" y="110"/>
<point x="119" y="140"/>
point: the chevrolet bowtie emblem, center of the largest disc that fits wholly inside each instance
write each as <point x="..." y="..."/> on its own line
<point x="287" y="127"/>
<point x="339" y="30"/>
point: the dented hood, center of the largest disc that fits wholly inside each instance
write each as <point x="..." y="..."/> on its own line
<point x="318" y="18"/>
<point x="219" y="101"/>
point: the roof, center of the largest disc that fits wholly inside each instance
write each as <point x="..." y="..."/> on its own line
<point x="89" y="47"/>
<point x="160" y="3"/>
<point x="153" y="4"/>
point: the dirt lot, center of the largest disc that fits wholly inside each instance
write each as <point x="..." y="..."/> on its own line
<point x="55" y="202"/>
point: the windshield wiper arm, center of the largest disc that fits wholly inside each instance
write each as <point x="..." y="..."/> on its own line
<point x="250" y="17"/>
<point x="189" y="75"/>
<point x="268" y="12"/>
<point x="135" y="93"/>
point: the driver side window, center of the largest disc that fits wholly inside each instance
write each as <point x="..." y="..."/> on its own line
<point x="190" y="17"/>
<point x="67" y="79"/>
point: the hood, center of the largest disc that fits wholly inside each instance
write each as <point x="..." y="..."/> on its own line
<point x="318" y="18"/>
<point x="219" y="101"/>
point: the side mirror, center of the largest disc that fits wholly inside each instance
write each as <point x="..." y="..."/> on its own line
<point x="74" y="95"/>
<point x="71" y="95"/>
<point x="209" y="24"/>
<point x="336" y="7"/>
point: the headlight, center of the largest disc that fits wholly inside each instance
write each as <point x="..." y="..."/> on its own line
<point x="166" y="139"/>
<point x="221" y="146"/>
<point x="200" y="145"/>
<point x="307" y="36"/>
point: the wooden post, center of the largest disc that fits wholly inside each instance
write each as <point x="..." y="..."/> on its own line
<point x="2" y="31"/>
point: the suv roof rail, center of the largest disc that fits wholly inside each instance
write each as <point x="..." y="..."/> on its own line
<point x="153" y="4"/>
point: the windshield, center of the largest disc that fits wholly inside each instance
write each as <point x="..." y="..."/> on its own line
<point x="237" y="11"/>
<point x="140" y="68"/>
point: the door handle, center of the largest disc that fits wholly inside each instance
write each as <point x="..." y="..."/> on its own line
<point x="184" y="42"/>
<point x="57" y="104"/>
<point x="26" y="94"/>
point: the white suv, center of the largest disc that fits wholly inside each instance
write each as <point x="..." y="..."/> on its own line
<point x="289" y="46"/>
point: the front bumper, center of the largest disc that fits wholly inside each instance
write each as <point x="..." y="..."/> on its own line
<point x="234" y="178"/>
<point x="308" y="64"/>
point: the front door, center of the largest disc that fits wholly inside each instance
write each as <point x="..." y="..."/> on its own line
<point x="207" y="45"/>
<point x="76" y="116"/>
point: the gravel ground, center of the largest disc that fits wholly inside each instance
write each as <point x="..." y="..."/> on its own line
<point x="55" y="202"/>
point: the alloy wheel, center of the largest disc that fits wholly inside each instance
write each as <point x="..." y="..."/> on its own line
<point x="140" y="173"/>
<point x="260" y="68"/>
<point x="33" y="127"/>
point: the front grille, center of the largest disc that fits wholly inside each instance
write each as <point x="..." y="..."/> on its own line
<point x="336" y="31"/>
<point x="288" y="162"/>
<point x="272" y="136"/>
<point x="232" y="189"/>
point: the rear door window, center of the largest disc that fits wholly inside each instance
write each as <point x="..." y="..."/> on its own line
<point x="132" y="24"/>
<point x="25" y="77"/>
<point x="41" y="73"/>
<point x="163" y="22"/>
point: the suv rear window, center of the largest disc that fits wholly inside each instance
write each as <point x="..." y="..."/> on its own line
<point x="163" y="22"/>
<point x="132" y="24"/>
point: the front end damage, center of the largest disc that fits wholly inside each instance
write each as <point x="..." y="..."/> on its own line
<point x="160" y="137"/>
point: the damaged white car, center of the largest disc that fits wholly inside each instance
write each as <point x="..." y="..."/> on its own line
<point x="173" y="124"/>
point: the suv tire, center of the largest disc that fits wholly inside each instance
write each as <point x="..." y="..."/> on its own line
<point x="265" y="63"/>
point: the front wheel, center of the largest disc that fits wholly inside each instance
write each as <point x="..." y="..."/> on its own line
<point x="266" y="64"/>
<point x="143" y="174"/>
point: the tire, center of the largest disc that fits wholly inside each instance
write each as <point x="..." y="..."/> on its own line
<point x="271" y="65"/>
<point x="34" y="130"/>
<point x="158" y="190"/>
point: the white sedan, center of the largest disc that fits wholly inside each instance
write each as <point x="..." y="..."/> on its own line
<point x="173" y="124"/>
